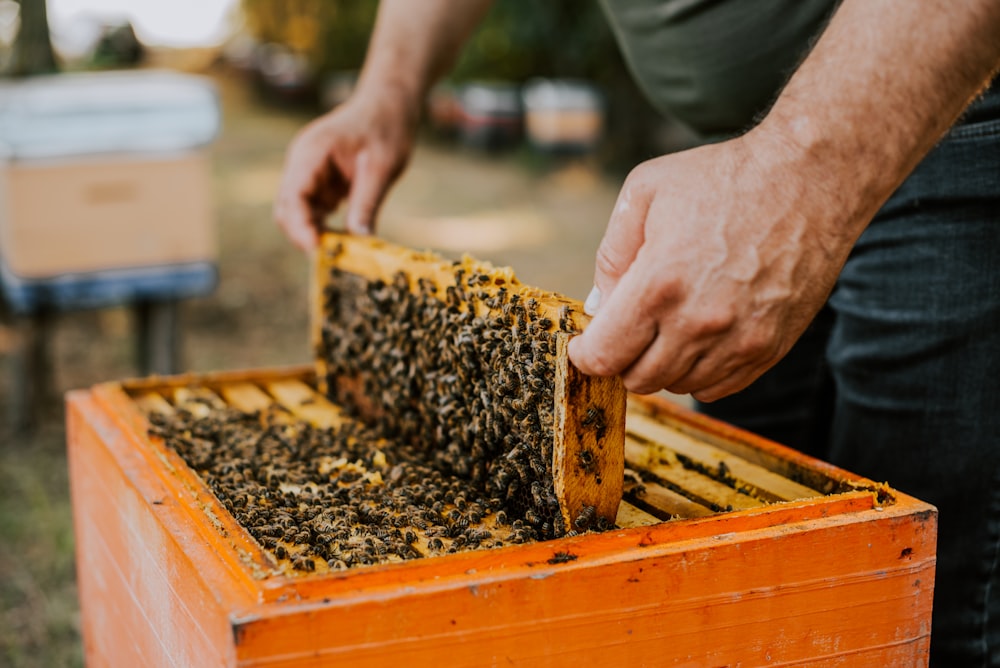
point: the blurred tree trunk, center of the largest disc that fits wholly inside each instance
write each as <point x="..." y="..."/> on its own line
<point x="33" y="52"/>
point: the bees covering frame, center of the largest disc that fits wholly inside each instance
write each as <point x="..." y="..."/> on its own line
<point x="462" y="361"/>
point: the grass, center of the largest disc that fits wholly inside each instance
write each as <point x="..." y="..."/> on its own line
<point x="39" y="615"/>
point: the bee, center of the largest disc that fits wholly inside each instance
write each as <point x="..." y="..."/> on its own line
<point x="537" y="494"/>
<point x="585" y="518"/>
<point x="271" y="530"/>
<point x="304" y="564"/>
<point x="522" y="471"/>
<point x="565" y="322"/>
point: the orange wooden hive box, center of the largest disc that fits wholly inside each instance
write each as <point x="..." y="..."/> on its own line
<point x="748" y="554"/>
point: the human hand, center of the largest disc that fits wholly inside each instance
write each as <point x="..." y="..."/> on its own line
<point x="714" y="262"/>
<point x="356" y="151"/>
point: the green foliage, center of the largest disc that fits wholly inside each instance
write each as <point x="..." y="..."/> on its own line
<point x="343" y="34"/>
<point x="333" y="34"/>
<point x="518" y="40"/>
<point x="556" y="38"/>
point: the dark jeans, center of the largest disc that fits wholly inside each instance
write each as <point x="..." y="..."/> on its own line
<point x="898" y="378"/>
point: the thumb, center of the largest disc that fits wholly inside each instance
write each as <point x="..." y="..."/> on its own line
<point x="622" y="240"/>
<point x="367" y="191"/>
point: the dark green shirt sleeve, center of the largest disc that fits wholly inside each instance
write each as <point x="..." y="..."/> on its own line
<point x="715" y="65"/>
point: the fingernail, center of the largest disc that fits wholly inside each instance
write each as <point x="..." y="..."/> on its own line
<point x="354" y="226"/>
<point x="593" y="302"/>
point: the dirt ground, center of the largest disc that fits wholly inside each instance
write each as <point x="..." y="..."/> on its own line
<point x="543" y="217"/>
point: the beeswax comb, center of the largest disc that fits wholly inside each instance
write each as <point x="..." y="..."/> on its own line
<point x="462" y="360"/>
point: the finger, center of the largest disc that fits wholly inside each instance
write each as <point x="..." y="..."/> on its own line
<point x="328" y="188"/>
<point x="660" y="365"/>
<point x="367" y="190"/>
<point x="620" y="331"/>
<point x="295" y="218"/>
<point x="619" y="246"/>
<point x="730" y="385"/>
<point x="295" y="204"/>
<point x="709" y="380"/>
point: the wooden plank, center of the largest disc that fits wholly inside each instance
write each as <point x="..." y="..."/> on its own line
<point x="777" y="458"/>
<point x="629" y="517"/>
<point x="304" y="402"/>
<point x="728" y="599"/>
<point x="588" y="457"/>
<point x="153" y="590"/>
<point x="765" y="484"/>
<point x="664" y="502"/>
<point x="246" y="397"/>
<point x="374" y="258"/>
<point x="153" y="402"/>
<point x="694" y="485"/>
<point x="199" y="401"/>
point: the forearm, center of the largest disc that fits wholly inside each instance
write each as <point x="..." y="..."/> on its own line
<point x="415" y="43"/>
<point x="885" y="81"/>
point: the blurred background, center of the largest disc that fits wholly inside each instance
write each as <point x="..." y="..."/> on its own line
<point x="170" y="120"/>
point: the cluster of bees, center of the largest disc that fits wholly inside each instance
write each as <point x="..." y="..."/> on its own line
<point x="463" y="374"/>
<point x="334" y="498"/>
<point x="448" y="441"/>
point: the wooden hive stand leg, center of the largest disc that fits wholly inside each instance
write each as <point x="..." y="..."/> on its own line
<point x="30" y="370"/>
<point x="157" y="337"/>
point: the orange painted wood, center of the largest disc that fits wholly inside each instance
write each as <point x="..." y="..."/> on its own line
<point x="142" y="571"/>
<point x="167" y="578"/>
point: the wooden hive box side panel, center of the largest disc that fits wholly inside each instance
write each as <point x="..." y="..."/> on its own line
<point x="764" y="597"/>
<point x="112" y="213"/>
<point x="145" y="594"/>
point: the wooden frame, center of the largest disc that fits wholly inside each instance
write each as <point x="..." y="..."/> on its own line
<point x="575" y="393"/>
<point x="167" y="578"/>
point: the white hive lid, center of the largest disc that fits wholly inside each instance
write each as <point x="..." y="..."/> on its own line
<point x="80" y="114"/>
